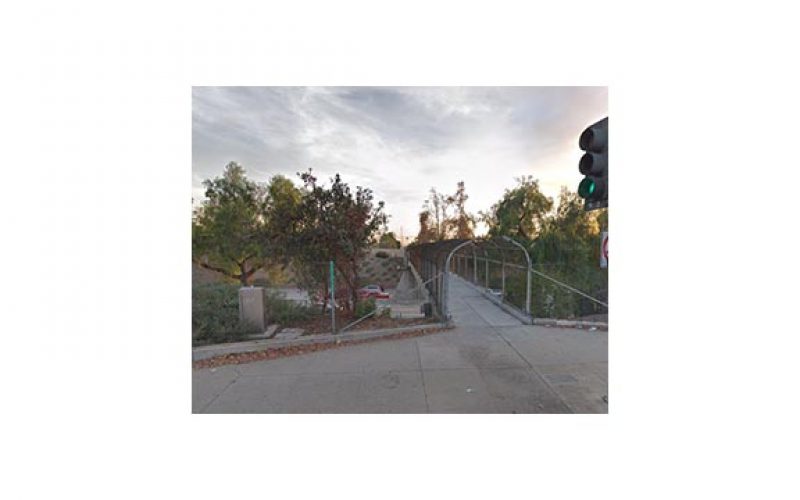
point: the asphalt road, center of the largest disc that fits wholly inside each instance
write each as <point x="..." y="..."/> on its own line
<point x="490" y="363"/>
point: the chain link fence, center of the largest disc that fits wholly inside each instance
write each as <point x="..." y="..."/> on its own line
<point x="504" y="270"/>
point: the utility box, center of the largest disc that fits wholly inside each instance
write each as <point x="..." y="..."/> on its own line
<point x="252" y="307"/>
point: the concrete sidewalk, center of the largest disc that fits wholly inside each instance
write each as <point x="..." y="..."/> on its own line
<point x="490" y="363"/>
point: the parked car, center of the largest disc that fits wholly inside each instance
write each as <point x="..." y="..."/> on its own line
<point x="372" y="291"/>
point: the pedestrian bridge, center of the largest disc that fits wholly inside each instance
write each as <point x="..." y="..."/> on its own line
<point x="496" y="273"/>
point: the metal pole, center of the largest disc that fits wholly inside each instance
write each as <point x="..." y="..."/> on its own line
<point x="486" y="276"/>
<point x="444" y="283"/>
<point x="528" y="273"/>
<point x="446" y="276"/>
<point x="436" y="293"/>
<point x="503" y="273"/>
<point x="528" y="293"/>
<point x="474" y="266"/>
<point x="333" y="297"/>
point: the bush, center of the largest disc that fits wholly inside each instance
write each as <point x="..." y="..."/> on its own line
<point x="280" y="310"/>
<point x="364" y="307"/>
<point x="215" y="314"/>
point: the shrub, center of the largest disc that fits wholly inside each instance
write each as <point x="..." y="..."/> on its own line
<point x="280" y="310"/>
<point x="364" y="307"/>
<point x="215" y="314"/>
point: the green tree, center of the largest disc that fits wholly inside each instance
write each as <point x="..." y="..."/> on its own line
<point x="339" y="225"/>
<point x="568" y="236"/>
<point x="283" y="218"/>
<point x="602" y="219"/>
<point x="228" y="228"/>
<point x="521" y="212"/>
<point x="568" y="249"/>
<point x="388" y="240"/>
<point x="243" y="225"/>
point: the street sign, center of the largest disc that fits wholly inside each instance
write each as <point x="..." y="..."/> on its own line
<point x="604" y="250"/>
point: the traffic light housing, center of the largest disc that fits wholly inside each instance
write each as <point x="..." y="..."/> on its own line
<point x="594" y="165"/>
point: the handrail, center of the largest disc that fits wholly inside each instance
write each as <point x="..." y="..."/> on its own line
<point x="575" y="290"/>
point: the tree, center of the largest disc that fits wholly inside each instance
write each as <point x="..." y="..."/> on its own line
<point x="283" y="218"/>
<point x="563" y="242"/>
<point x="437" y="222"/>
<point x="338" y="225"/>
<point x="568" y="236"/>
<point x="602" y="218"/>
<point x="427" y="233"/>
<point x="521" y="212"/>
<point x="388" y="240"/>
<point x="462" y="223"/>
<point x="243" y="225"/>
<point x="228" y="228"/>
<point x="438" y="205"/>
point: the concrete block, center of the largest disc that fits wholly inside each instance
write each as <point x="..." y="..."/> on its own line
<point x="252" y="309"/>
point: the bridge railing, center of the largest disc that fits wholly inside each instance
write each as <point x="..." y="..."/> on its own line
<point x="504" y="270"/>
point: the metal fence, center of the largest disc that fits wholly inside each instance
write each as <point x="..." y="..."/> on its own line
<point x="503" y="270"/>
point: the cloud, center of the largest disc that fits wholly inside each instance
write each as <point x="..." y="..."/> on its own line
<point x="398" y="141"/>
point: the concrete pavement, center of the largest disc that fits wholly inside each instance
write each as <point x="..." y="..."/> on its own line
<point x="490" y="363"/>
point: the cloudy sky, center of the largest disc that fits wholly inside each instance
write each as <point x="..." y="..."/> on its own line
<point x="400" y="141"/>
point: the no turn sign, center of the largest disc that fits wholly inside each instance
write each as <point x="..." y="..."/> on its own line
<point x="604" y="250"/>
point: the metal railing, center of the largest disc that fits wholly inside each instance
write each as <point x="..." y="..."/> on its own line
<point x="503" y="267"/>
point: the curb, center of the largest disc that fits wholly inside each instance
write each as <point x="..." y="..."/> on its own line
<point x="205" y="352"/>
<point x="570" y="323"/>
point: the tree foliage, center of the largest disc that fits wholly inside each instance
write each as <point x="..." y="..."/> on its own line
<point x="569" y="235"/>
<point x="563" y="242"/>
<point x="227" y="230"/>
<point x="445" y="216"/>
<point x="336" y="224"/>
<point x="521" y="212"/>
<point x="462" y="223"/>
<point x="283" y="221"/>
<point x="388" y="240"/>
<point x="244" y="225"/>
<point x="427" y="233"/>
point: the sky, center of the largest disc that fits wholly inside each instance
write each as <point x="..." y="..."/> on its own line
<point x="398" y="141"/>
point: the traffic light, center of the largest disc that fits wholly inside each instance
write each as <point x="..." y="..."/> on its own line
<point x="594" y="165"/>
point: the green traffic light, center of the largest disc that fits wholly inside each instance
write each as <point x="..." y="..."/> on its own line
<point x="587" y="187"/>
